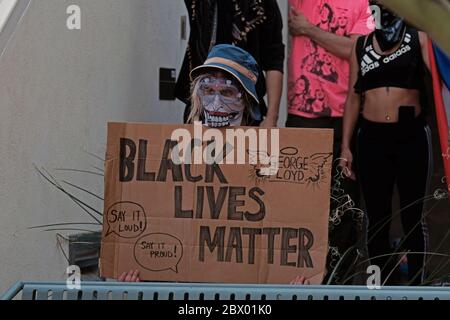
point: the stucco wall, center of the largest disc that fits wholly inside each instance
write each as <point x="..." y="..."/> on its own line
<point x="58" y="90"/>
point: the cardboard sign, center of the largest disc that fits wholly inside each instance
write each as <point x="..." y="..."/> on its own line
<point x="221" y="223"/>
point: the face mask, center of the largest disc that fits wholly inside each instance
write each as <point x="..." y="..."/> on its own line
<point x="391" y="32"/>
<point x="221" y="101"/>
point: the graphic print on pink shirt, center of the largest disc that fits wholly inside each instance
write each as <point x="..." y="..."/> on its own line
<point x="318" y="80"/>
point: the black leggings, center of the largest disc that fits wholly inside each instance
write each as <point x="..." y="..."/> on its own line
<point x="389" y="154"/>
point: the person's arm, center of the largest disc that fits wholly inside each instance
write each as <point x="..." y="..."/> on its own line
<point x="424" y="46"/>
<point x="130" y="276"/>
<point x="272" y="60"/>
<point x="351" y="114"/>
<point x="339" y="46"/>
<point x="274" y="84"/>
<point x="300" y="280"/>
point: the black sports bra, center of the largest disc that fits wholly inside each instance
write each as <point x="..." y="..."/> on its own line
<point x="401" y="69"/>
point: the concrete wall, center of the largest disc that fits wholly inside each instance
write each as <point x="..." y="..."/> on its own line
<point x="58" y="90"/>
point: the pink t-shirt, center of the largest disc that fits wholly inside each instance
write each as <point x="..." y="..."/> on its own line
<point x="318" y="80"/>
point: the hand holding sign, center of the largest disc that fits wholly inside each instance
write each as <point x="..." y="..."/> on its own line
<point x="300" y="280"/>
<point x="130" y="276"/>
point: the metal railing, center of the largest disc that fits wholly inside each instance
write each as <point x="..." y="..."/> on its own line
<point x="188" y="291"/>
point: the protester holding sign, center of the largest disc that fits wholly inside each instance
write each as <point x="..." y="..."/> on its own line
<point x="224" y="95"/>
<point x="394" y="141"/>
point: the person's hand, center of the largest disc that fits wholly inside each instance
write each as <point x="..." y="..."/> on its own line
<point x="269" y="122"/>
<point x="300" y="280"/>
<point x="298" y="23"/>
<point x="346" y="162"/>
<point x="130" y="276"/>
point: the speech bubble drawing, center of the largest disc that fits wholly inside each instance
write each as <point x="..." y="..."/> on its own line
<point x="126" y="219"/>
<point x="158" y="252"/>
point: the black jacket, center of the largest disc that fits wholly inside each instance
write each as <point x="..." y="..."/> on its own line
<point x="254" y="25"/>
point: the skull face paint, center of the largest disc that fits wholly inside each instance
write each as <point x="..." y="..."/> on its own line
<point x="221" y="101"/>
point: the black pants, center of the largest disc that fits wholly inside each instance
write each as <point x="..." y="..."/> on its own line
<point x="400" y="154"/>
<point x="346" y="234"/>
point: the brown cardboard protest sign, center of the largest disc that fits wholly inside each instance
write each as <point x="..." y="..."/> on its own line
<point x="225" y="223"/>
